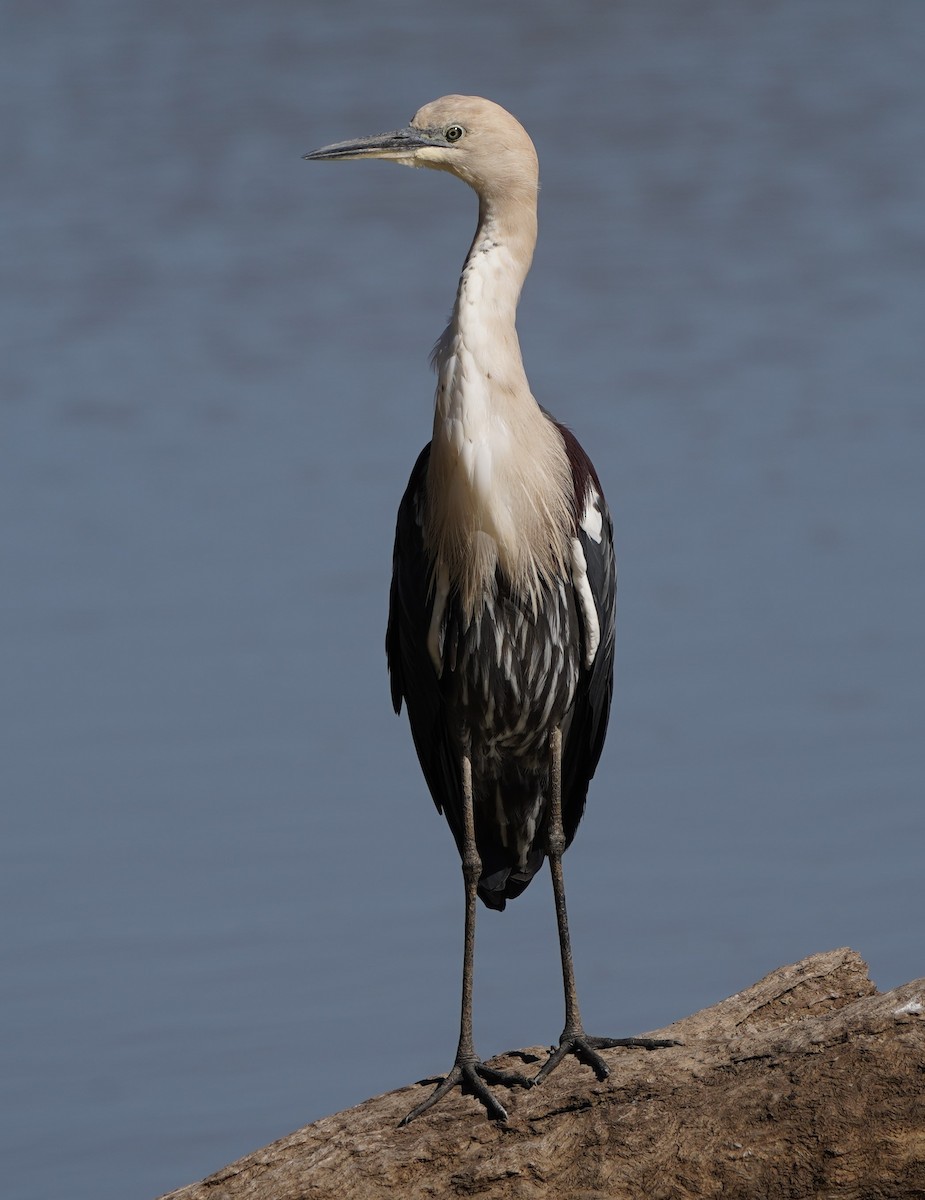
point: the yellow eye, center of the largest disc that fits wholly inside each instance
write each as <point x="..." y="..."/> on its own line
<point x="453" y="133"/>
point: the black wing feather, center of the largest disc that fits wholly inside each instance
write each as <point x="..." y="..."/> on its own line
<point x="590" y="713"/>
<point x="412" y="673"/>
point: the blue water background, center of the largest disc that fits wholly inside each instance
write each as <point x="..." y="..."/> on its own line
<point x="228" y="906"/>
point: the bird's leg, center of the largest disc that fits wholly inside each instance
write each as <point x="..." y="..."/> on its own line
<point x="574" y="1040"/>
<point x="468" y="1070"/>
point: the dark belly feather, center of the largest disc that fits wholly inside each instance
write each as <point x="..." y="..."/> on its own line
<point x="509" y="679"/>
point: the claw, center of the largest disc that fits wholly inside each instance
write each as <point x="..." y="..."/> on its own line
<point x="468" y="1076"/>
<point x="585" y="1050"/>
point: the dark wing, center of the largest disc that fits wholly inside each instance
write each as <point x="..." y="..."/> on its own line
<point x="585" y="737"/>
<point x="413" y="677"/>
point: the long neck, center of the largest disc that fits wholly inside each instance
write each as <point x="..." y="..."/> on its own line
<point x="499" y="484"/>
<point x="483" y="324"/>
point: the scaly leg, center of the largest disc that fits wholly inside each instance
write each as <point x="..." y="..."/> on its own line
<point x="574" y="1040"/>
<point x="468" y="1070"/>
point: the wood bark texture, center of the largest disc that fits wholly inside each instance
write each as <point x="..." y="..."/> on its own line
<point x="808" y="1084"/>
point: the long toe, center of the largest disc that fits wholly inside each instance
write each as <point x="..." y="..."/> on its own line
<point x="585" y="1049"/>
<point x="469" y="1077"/>
<point x="635" y="1043"/>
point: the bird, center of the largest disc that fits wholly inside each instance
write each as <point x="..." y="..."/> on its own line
<point x="500" y="637"/>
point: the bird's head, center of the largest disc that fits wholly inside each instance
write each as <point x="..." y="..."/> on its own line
<point x="472" y="138"/>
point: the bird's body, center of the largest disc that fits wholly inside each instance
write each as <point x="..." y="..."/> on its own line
<point x="501" y="623"/>
<point x="501" y="672"/>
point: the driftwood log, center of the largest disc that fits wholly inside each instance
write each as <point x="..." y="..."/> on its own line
<point x="808" y="1084"/>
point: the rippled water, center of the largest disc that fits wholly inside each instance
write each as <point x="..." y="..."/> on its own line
<point x="229" y="907"/>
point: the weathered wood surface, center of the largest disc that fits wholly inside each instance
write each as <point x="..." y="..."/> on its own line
<point x="808" y="1084"/>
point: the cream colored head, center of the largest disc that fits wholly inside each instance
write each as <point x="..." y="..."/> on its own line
<point x="472" y="138"/>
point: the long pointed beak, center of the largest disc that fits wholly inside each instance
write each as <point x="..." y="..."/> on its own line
<point x="399" y="145"/>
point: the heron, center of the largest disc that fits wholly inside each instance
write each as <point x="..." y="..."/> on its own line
<point x="500" y="637"/>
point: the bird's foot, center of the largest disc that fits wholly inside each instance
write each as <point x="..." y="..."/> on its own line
<point x="585" y="1049"/>
<point x="468" y="1075"/>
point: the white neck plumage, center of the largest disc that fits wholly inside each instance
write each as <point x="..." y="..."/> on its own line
<point x="499" y="481"/>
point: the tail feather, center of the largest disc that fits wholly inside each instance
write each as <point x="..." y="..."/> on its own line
<point x="498" y="884"/>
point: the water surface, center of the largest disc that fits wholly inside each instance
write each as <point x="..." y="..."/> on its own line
<point x="229" y="906"/>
